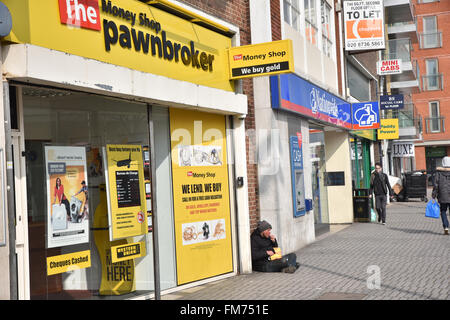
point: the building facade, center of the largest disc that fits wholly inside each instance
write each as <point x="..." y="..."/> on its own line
<point x="432" y="102"/>
<point x="123" y="143"/>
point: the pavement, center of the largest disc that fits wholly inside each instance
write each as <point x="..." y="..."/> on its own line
<point x="406" y="259"/>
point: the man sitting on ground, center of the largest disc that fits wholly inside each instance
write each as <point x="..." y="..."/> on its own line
<point x="263" y="245"/>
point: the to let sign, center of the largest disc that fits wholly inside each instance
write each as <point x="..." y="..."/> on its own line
<point x="404" y="149"/>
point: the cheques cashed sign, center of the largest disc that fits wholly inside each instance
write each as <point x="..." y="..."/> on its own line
<point x="126" y="33"/>
<point x="292" y="93"/>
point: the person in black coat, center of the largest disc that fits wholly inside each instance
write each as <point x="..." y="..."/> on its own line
<point x="262" y="245"/>
<point x="379" y="184"/>
<point x="441" y="190"/>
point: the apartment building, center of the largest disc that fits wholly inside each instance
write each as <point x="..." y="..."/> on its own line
<point x="432" y="53"/>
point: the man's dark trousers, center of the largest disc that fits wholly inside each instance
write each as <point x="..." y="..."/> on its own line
<point x="380" y="203"/>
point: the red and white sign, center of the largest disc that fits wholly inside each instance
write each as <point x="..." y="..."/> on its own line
<point x="385" y="67"/>
<point x="80" y="13"/>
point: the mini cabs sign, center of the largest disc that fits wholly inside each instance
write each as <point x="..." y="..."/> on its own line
<point x="261" y="59"/>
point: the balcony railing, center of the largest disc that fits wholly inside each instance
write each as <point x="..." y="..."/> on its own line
<point x="398" y="49"/>
<point x="433" y="82"/>
<point x="435" y="124"/>
<point x="408" y="118"/>
<point x="430" y="40"/>
<point x="427" y="1"/>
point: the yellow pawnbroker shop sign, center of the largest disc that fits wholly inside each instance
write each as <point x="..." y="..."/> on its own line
<point x="68" y="262"/>
<point x="126" y="33"/>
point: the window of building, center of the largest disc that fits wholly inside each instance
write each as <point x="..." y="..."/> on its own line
<point x="434" y="122"/>
<point x="430" y="37"/>
<point x="327" y="43"/>
<point x="427" y="1"/>
<point x="292" y="13"/>
<point x="432" y="77"/>
<point x="311" y="21"/>
<point x="358" y="83"/>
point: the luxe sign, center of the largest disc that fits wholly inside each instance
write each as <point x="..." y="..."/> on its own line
<point x="404" y="149"/>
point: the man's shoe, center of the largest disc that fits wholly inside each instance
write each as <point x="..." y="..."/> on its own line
<point x="446" y="231"/>
<point x="290" y="269"/>
<point x="384" y="223"/>
<point x="297" y="265"/>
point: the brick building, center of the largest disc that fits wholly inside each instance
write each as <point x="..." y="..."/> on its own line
<point x="432" y="53"/>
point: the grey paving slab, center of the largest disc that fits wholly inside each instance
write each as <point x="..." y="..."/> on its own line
<point x="410" y="254"/>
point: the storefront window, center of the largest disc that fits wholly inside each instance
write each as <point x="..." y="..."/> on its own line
<point x="83" y="124"/>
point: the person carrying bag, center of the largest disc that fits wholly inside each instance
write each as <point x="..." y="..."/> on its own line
<point x="441" y="190"/>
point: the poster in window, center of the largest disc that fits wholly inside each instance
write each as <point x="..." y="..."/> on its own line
<point x="200" y="195"/>
<point x="67" y="196"/>
<point x="127" y="213"/>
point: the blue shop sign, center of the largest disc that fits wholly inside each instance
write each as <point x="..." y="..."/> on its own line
<point x="292" y="93"/>
<point x="366" y="115"/>
<point x="392" y="102"/>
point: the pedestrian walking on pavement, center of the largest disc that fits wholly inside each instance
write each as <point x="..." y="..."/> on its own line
<point x="441" y="190"/>
<point x="263" y="245"/>
<point x="379" y="185"/>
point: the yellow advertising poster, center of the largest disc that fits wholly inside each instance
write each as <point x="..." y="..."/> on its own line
<point x="388" y="129"/>
<point x="126" y="191"/>
<point x="200" y="195"/>
<point x="261" y="59"/>
<point x="127" y="33"/>
<point x="117" y="278"/>
<point x="68" y="262"/>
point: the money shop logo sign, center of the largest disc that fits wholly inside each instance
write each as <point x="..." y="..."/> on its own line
<point x="86" y="14"/>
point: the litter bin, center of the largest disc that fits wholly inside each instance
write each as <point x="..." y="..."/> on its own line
<point x="415" y="185"/>
<point x="361" y="205"/>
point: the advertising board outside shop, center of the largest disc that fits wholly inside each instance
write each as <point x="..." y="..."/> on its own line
<point x="385" y="67"/>
<point x="388" y="129"/>
<point x="261" y="59"/>
<point x="403" y="149"/>
<point x="390" y="102"/>
<point x="364" y="25"/>
<point x="365" y="115"/>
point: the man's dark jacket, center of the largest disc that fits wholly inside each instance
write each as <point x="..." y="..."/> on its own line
<point x="379" y="184"/>
<point x="441" y="188"/>
<point x="259" y="247"/>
